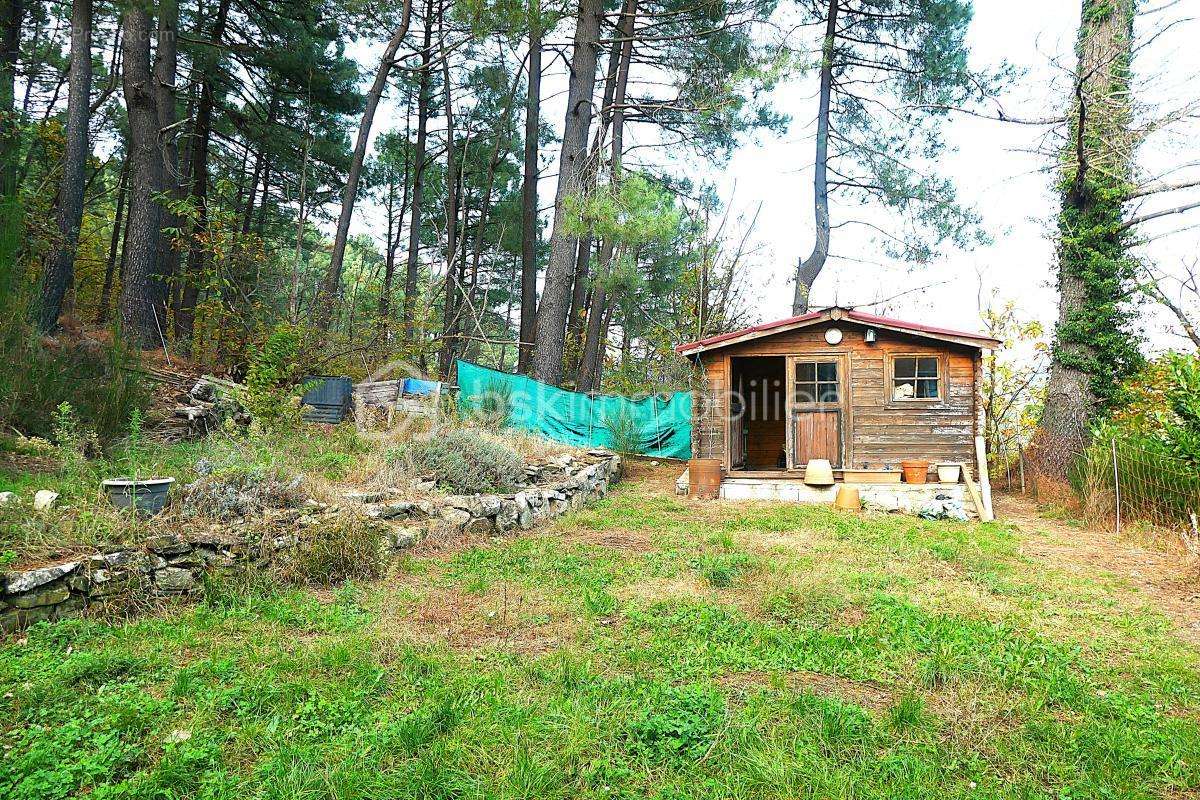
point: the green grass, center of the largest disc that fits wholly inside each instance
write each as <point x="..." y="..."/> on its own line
<point x="644" y="647"/>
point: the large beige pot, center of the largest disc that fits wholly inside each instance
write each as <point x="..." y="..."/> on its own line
<point x="948" y="472"/>
<point x="818" y="472"/>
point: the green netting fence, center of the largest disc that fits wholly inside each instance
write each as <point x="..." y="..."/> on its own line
<point x="660" y="425"/>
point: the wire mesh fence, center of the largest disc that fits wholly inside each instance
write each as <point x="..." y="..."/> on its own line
<point x="1129" y="482"/>
<point x="1120" y="482"/>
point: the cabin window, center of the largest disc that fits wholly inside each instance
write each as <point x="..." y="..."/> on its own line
<point x="916" y="378"/>
<point x="817" y="382"/>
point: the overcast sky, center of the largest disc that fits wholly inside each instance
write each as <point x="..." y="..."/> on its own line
<point x="997" y="167"/>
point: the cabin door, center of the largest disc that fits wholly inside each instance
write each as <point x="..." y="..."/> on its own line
<point x="817" y="402"/>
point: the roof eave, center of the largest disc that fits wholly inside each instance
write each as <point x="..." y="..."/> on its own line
<point x="715" y="343"/>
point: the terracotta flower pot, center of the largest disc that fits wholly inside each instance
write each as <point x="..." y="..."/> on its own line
<point x="848" y="499"/>
<point x="915" y="470"/>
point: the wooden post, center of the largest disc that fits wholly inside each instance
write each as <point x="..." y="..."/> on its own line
<point x="1021" y="466"/>
<point x="980" y="507"/>
<point x="1116" y="485"/>
<point x="985" y="484"/>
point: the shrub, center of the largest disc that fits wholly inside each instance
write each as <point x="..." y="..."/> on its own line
<point x="623" y="430"/>
<point x="72" y="441"/>
<point x="237" y="493"/>
<point x="1152" y="441"/>
<point x="461" y="461"/>
<point x="100" y="382"/>
<point x="271" y="378"/>
<point x="492" y="408"/>
<point x="341" y="548"/>
<point x="97" y="379"/>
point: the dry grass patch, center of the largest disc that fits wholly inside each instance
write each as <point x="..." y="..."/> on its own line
<point x="656" y="590"/>
<point x="623" y="541"/>
<point x="505" y="617"/>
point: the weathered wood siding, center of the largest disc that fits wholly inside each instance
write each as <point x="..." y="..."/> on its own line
<point x="878" y="430"/>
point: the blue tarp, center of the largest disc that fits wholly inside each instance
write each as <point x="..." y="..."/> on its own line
<point x="418" y="387"/>
<point x="661" y="424"/>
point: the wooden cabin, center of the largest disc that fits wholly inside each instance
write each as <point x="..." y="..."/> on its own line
<point x="863" y="391"/>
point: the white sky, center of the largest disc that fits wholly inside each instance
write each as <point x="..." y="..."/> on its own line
<point x="995" y="166"/>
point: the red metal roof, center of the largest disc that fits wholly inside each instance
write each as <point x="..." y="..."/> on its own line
<point x="847" y="313"/>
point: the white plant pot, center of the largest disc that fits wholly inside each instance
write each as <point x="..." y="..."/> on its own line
<point x="948" y="473"/>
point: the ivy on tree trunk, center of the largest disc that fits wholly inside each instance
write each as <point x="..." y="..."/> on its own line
<point x="1094" y="348"/>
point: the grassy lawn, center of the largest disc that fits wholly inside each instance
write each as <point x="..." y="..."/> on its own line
<point x="645" y="647"/>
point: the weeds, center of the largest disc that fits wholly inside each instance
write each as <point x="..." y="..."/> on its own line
<point x="720" y="570"/>
<point x="492" y="409"/>
<point x="337" y="549"/>
<point x="72" y="441"/>
<point x="240" y="492"/>
<point x="679" y="725"/>
<point x="271" y="396"/>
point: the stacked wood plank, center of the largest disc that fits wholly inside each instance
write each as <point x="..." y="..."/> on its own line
<point x="191" y="408"/>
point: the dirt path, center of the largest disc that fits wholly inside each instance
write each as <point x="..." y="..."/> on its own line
<point x="1167" y="579"/>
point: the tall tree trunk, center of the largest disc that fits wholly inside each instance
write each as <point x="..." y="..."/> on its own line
<point x="453" y="282"/>
<point x="580" y="296"/>
<point x="467" y="286"/>
<point x="255" y="179"/>
<point x="198" y="252"/>
<point x="412" y="263"/>
<point x="395" y="224"/>
<point x="260" y="221"/>
<point x="166" y="63"/>
<point x="260" y="163"/>
<point x="577" y="316"/>
<point x="592" y="358"/>
<point x="11" y="15"/>
<point x="810" y="268"/>
<point x="110" y="265"/>
<point x="529" y="192"/>
<point x="389" y="266"/>
<point x="1092" y="348"/>
<point x="600" y="318"/>
<point x="333" y="277"/>
<point x="142" y="289"/>
<point x="588" y="379"/>
<point x="60" y="270"/>
<point x="547" y="359"/>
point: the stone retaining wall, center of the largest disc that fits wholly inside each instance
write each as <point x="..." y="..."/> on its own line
<point x="172" y="564"/>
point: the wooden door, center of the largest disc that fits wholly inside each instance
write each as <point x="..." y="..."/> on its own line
<point x="819" y="435"/>
<point x="817" y="399"/>
<point x="737" y="437"/>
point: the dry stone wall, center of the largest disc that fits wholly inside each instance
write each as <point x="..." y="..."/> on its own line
<point x="173" y="564"/>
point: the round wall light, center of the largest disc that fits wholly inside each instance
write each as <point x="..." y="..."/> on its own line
<point x="833" y="336"/>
